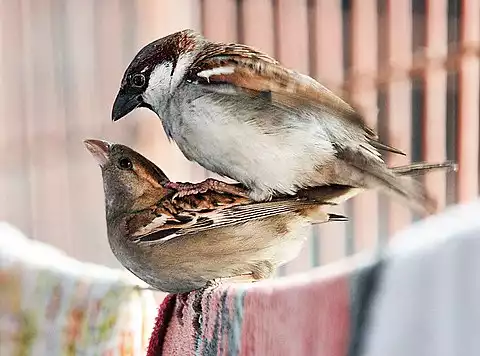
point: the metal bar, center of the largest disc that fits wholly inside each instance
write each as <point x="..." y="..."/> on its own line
<point x="385" y="75"/>
<point x="435" y="85"/>
<point x="258" y="25"/>
<point x="468" y="129"/>
<point x="293" y="52"/>
<point x="329" y="69"/>
<point x="220" y="20"/>
<point x="399" y="54"/>
<point x="364" y="59"/>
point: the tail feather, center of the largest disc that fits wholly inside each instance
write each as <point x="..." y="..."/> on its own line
<point x="399" y="182"/>
<point x="414" y="191"/>
<point x="420" y="168"/>
<point x="403" y="185"/>
<point x="336" y="217"/>
<point x="415" y="194"/>
<point x="384" y="147"/>
<point x="317" y="215"/>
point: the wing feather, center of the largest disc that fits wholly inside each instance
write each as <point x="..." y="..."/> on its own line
<point x="217" y="218"/>
<point x="239" y="69"/>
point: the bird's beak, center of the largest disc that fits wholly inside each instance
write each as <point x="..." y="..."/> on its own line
<point x="124" y="104"/>
<point x="99" y="149"/>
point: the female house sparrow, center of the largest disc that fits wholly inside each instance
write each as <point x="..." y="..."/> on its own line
<point x="241" y="114"/>
<point x="177" y="244"/>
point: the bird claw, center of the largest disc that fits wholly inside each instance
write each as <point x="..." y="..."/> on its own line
<point x="185" y="189"/>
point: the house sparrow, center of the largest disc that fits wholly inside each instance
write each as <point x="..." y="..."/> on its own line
<point x="178" y="244"/>
<point x="241" y="114"/>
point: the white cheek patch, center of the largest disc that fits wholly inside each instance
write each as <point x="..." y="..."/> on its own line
<point x="160" y="76"/>
<point x="183" y="63"/>
<point x="158" y="84"/>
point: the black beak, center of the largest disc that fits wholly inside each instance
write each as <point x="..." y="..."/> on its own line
<point x="124" y="104"/>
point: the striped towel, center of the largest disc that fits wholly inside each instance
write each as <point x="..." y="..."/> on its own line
<point x="420" y="298"/>
<point x="316" y="313"/>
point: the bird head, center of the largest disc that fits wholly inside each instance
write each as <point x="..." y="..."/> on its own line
<point x="130" y="181"/>
<point x="155" y="72"/>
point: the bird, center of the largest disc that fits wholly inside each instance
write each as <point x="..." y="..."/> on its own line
<point x="180" y="243"/>
<point x="177" y="243"/>
<point x="238" y="112"/>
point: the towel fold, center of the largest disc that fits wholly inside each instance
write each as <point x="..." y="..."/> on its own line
<point x="316" y="313"/>
<point x="51" y="304"/>
<point x="428" y="300"/>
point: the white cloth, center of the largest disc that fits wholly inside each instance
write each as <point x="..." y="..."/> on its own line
<point x="51" y="304"/>
<point x="428" y="301"/>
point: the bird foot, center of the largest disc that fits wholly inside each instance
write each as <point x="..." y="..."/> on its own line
<point x="243" y="278"/>
<point x="184" y="189"/>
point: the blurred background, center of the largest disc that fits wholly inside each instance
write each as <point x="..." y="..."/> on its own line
<point x="410" y="65"/>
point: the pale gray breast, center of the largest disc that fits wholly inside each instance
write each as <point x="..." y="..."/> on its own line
<point x="252" y="143"/>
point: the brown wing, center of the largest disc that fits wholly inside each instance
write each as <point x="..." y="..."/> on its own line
<point x="186" y="220"/>
<point x="250" y="72"/>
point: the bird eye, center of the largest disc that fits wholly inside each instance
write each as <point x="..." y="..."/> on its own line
<point x="125" y="163"/>
<point x="138" y="80"/>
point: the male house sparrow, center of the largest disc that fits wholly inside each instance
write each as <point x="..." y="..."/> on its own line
<point x="177" y="244"/>
<point x="241" y="114"/>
